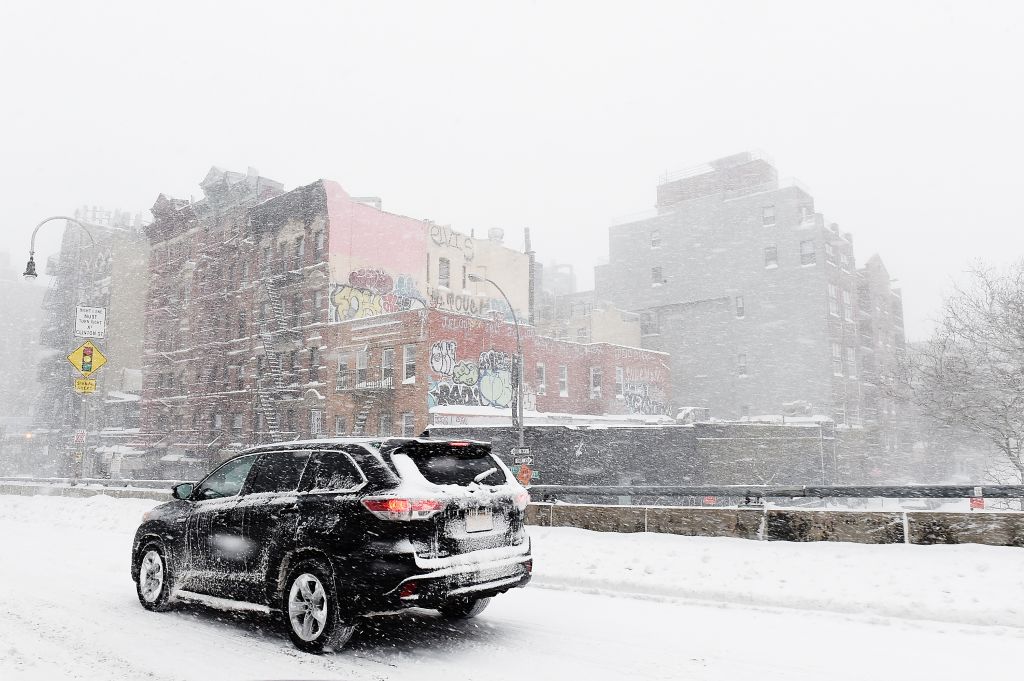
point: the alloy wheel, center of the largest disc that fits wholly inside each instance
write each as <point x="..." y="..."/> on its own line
<point x="307" y="607"/>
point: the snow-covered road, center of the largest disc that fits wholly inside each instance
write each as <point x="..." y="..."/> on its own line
<point x="601" y="607"/>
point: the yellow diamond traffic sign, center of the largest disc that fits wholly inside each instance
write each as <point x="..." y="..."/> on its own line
<point x="87" y="358"/>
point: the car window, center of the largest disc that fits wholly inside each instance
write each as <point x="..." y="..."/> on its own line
<point x="227" y="480"/>
<point x="278" y="472"/>
<point x="459" y="463"/>
<point x="333" y="471"/>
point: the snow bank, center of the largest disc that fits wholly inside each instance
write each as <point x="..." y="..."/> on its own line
<point x="967" y="584"/>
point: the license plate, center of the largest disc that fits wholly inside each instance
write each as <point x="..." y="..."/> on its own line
<point x="479" y="520"/>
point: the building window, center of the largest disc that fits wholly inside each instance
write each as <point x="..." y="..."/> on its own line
<point x="851" y="362"/>
<point x="595" y="382"/>
<point x="844" y="261"/>
<point x="620" y="384"/>
<point x="830" y="254"/>
<point x="409" y="364"/>
<point x="241" y="324"/>
<point x="239" y="377"/>
<point x="408" y="425"/>
<point x="318" y="299"/>
<point x="847" y="306"/>
<point x="319" y="241"/>
<point x="340" y="425"/>
<point x="771" y="257"/>
<point x="649" y="324"/>
<point x="314" y="365"/>
<point x="300" y="252"/>
<point x="768" y="215"/>
<point x="236" y="425"/>
<point x="656" y="277"/>
<point x="444" y="273"/>
<point x="808" y="256"/>
<point x="740" y="310"/>
<point x="344" y="380"/>
<point x="542" y="380"/>
<point x="384" y="425"/>
<point x="741" y="364"/>
<point x="296" y="309"/>
<point x="563" y="381"/>
<point x="316" y="422"/>
<point x="218" y="421"/>
<point x="837" y="359"/>
<point x="583" y="335"/>
<point x="833" y="300"/>
<point x="387" y="367"/>
<point x="806" y="213"/>
<point x="463" y="277"/>
<point x="362" y="360"/>
<point x="656" y="238"/>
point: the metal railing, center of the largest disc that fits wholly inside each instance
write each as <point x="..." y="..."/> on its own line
<point x="758" y="492"/>
<point x="102" y="482"/>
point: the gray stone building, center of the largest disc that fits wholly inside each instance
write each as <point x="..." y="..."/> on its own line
<point x="751" y="291"/>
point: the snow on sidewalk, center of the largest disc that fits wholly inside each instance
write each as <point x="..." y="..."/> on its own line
<point x="965" y="584"/>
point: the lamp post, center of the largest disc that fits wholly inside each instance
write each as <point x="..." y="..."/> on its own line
<point x="519" y="352"/>
<point x="30" y="268"/>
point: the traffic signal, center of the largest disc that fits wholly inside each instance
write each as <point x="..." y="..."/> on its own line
<point x="86" y="359"/>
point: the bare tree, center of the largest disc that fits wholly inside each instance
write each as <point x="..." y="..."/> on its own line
<point x="970" y="374"/>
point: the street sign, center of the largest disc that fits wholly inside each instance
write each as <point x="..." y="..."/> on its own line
<point x="977" y="503"/>
<point x="79" y="437"/>
<point x="519" y="460"/>
<point x="85" y="386"/>
<point x="520" y="451"/>
<point x="90" y="322"/>
<point x="524" y="475"/>
<point x="87" y="358"/>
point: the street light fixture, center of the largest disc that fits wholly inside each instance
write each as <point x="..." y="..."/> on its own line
<point x="30" y="268"/>
<point x="519" y="351"/>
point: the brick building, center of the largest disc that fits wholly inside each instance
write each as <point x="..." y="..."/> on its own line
<point x="274" y="314"/>
<point x="749" y="289"/>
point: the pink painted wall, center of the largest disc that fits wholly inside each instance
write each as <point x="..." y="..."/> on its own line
<point x="378" y="260"/>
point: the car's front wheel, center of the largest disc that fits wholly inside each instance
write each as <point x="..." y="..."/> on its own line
<point x="153" y="581"/>
<point x="311" y="609"/>
<point x="464" y="608"/>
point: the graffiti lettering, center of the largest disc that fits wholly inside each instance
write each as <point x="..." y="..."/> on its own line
<point x="642" y="399"/>
<point x="444" y="235"/>
<point x="445" y="394"/>
<point x="442" y="357"/>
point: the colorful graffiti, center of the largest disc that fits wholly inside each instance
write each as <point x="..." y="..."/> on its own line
<point x="488" y="382"/>
<point x="372" y="292"/>
<point x="461" y="303"/>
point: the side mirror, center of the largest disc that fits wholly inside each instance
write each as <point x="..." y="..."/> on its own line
<point x="182" y="491"/>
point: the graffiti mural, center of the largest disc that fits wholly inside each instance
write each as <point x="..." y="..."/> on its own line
<point x="486" y="382"/>
<point x="643" y="399"/>
<point x="372" y="292"/>
<point x="477" y="306"/>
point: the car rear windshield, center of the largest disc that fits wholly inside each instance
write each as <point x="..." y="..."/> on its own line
<point x="453" y="463"/>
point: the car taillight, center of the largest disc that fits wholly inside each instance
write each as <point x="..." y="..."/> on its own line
<point x="400" y="508"/>
<point x="522" y="500"/>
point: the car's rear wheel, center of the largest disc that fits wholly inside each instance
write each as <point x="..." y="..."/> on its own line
<point x="153" y="581"/>
<point x="464" y="608"/>
<point x="312" y="613"/>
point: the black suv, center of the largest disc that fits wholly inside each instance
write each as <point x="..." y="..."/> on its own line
<point x="325" y="531"/>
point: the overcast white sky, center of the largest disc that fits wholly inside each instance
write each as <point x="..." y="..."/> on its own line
<point x="904" y="119"/>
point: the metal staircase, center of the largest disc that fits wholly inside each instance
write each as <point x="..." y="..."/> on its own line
<point x="275" y="337"/>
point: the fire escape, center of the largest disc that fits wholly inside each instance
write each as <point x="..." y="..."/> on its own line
<point x="275" y="391"/>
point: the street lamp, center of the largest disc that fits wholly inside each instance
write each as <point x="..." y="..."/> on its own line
<point x="30" y="268"/>
<point x="519" y="351"/>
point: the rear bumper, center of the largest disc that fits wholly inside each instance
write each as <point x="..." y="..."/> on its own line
<point x="478" y="574"/>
